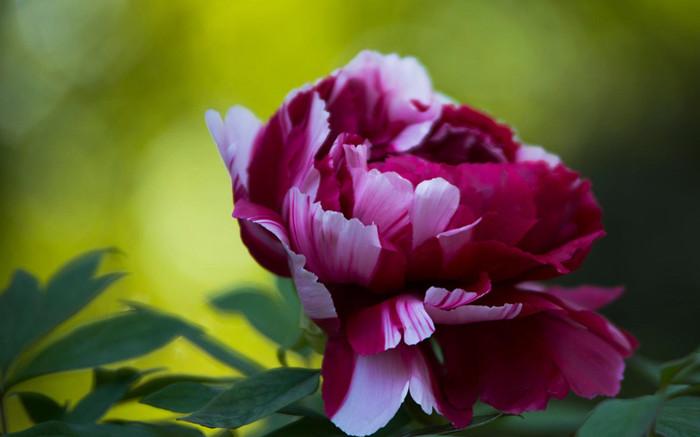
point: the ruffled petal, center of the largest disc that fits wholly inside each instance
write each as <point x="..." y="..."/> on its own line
<point x="537" y="153"/>
<point x="362" y="393"/>
<point x="379" y="198"/>
<point x="587" y="297"/>
<point x="234" y="138"/>
<point x="336" y="249"/>
<point x="381" y="327"/>
<point x="385" y="98"/>
<point x="434" y="204"/>
<point x="266" y="238"/>
<point x="283" y="156"/>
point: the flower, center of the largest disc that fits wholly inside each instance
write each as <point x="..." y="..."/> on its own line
<point x="414" y="229"/>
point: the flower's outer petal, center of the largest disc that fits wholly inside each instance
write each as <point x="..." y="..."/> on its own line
<point x="536" y="153"/>
<point x="336" y="249"/>
<point x="264" y="234"/>
<point x="379" y="198"/>
<point x="271" y="239"/>
<point x="234" y="138"/>
<point x="421" y="383"/>
<point x="314" y="296"/>
<point x="587" y="297"/>
<point x="382" y="326"/>
<point x="284" y="151"/>
<point x="362" y="393"/>
<point x="434" y="204"/>
<point x="590" y="365"/>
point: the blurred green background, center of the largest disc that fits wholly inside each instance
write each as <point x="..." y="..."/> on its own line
<point x="102" y="139"/>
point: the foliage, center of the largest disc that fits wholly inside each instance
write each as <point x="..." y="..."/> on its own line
<point x="285" y="399"/>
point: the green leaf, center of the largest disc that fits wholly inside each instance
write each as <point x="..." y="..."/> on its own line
<point x="41" y="408"/>
<point x="290" y="298"/>
<point x="18" y="307"/>
<point x="307" y="426"/>
<point x="256" y="397"/>
<point x="73" y="287"/>
<point x="109" y="386"/>
<point x="118" y="338"/>
<point x="183" y="397"/>
<point x="266" y="313"/>
<point x="622" y="417"/>
<point x="679" y="417"/>
<point x="223" y="353"/>
<point x="156" y="384"/>
<point x="685" y="370"/>
<point x="130" y="429"/>
<point x="26" y="314"/>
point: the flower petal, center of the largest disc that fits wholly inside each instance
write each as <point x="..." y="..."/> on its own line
<point x="267" y="240"/>
<point x="420" y="384"/>
<point x="379" y="198"/>
<point x="283" y="156"/>
<point x="382" y="326"/>
<point x="264" y="235"/>
<point x="587" y="296"/>
<point x="435" y="203"/>
<point x="362" y="393"/>
<point x="336" y="249"/>
<point x="235" y="137"/>
<point x="537" y="153"/>
<point x="474" y="313"/>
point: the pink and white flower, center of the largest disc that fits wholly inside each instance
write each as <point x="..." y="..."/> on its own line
<point x="407" y="224"/>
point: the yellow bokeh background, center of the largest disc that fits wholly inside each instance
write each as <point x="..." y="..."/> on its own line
<point x="103" y="141"/>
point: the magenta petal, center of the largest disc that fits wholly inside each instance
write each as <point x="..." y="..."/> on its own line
<point x="474" y="313"/>
<point x="435" y="203"/>
<point x="590" y="365"/>
<point x="421" y="381"/>
<point x="284" y="151"/>
<point x="379" y="198"/>
<point x="336" y="249"/>
<point x="362" y="393"/>
<point x="382" y="326"/>
<point x="536" y="153"/>
<point x="234" y="138"/>
<point x="445" y="299"/>
<point x="264" y="235"/>
<point x="314" y="296"/>
<point x="271" y="245"/>
<point x="587" y="297"/>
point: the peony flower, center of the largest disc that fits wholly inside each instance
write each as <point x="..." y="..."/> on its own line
<point x="413" y="229"/>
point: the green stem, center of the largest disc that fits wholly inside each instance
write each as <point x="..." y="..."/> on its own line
<point x="3" y="419"/>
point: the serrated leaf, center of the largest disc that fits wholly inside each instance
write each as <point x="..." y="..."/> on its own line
<point x="265" y="313"/>
<point x="109" y="386"/>
<point x="130" y="429"/>
<point x="118" y="338"/>
<point x="183" y="397"/>
<point x="622" y="417"/>
<point x="18" y="307"/>
<point x="679" y="417"/>
<point x="256" y="397"/>
<point x="40" y="408"/>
